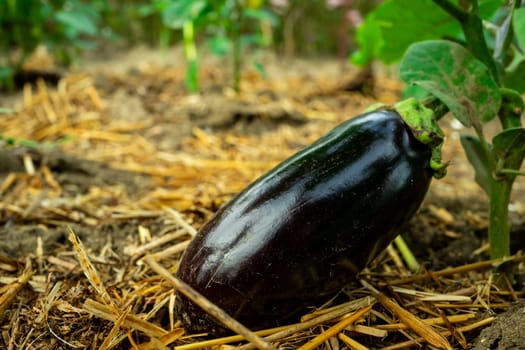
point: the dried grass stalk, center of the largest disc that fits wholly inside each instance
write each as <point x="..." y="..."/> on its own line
<point x="131" y="321"/>
<point x="335" y="329"/>
<point x="12" y="290"/>
<point x="353" y="344"/>
<point x="335" y="313"/>
<point x="161" y="342"/>
<point x="417" y="325"/>
<point x="180" y="220"/>
<point x="119" y="322"/>
<point x="459" y="269"/>
<point x="367" y="330"/>
<point x="209" y="343"/>
<point x="88" y="268"/>
<point x="428" y="296"/>
<point x="436" y="321"/>
<point x="416" y="341"/>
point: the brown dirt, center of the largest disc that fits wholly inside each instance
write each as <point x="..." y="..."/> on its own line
<point x="138" y="143"/>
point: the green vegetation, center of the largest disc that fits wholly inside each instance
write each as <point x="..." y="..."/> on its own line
<point x="228" y="21"/>
<point x="226" y="28"/>
<point x="478" y="73"/>
<point x="64" y="27"/>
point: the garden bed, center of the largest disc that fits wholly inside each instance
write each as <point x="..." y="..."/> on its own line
<point x="131" y="164"/>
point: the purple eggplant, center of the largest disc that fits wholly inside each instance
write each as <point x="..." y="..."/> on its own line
<point x="301" y="232"/>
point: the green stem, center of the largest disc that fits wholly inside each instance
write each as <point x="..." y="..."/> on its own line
<point x="190" y="51"/>
<point x="451" y="9"/>
<point x="499" y="229"/>
<point x="512" y="172"/>
<point x="473" y="30"/>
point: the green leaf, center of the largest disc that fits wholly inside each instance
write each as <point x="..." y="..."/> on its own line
<point x="489" y="8"/>
<point x="509" y="145"/>
<point x="6" y="72"/>
<point x="519" y="26"/>
<point x="480" y="161"/>
<point x="261" y="14"/>
<point x="515" y="78"/>
<point x="28" y="143"/>
<point x="394" y="25"/>
<point x="6" y="110"/>
<point x="145" y="10"/>
<point x="77" y="21"/>
<point x="414" y="91"/>
<point x="369" y="39"/>
<point x="219" y="45"/>
<point x="176" y="13"/>
<point x="387" y="32"/>
<point x="452" y="74"/>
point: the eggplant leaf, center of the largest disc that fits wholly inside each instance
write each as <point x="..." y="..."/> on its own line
<point x="452" y="74"/>
<point x="513" y="77"/>
<point x="519" y="26"/>
<point x="393" y="25"/>
<point x="509" y="145"/>
<point x="479" y="160"/>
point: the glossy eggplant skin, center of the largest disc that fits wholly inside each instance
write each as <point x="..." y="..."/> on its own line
<point x="302" y="231"/>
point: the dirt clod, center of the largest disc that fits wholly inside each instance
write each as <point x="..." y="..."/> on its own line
<point x="507" y="332"/>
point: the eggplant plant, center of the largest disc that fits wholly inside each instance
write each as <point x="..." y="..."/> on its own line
<point x="478" y="74"/>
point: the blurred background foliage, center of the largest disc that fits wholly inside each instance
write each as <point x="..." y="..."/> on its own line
<point x="226" y="28"/>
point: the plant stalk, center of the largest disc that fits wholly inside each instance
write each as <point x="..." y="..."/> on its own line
<point x="512" y="172"/>
<point x="499" y="228"/>
<point x="473" y="29"/>
<point x="190" y="51"/>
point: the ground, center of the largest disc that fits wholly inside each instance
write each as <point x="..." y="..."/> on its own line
<point x="127" y="159"/>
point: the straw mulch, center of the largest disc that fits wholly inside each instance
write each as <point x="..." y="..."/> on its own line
<point x="120" y="294"/>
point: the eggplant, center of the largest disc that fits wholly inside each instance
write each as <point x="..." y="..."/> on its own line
<point x="301" y="232"/>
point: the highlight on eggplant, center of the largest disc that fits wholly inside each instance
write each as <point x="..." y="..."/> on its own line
<point x="301" y="232"/>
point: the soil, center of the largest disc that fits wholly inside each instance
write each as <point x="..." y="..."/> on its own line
<point x="135" y="142"/>
<point x="506" y="332"/>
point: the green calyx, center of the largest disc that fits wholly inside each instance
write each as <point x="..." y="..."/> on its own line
<point x="424" y="127"/>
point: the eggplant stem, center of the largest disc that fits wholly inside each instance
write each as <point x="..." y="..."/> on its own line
<point x="499" y="230"/>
